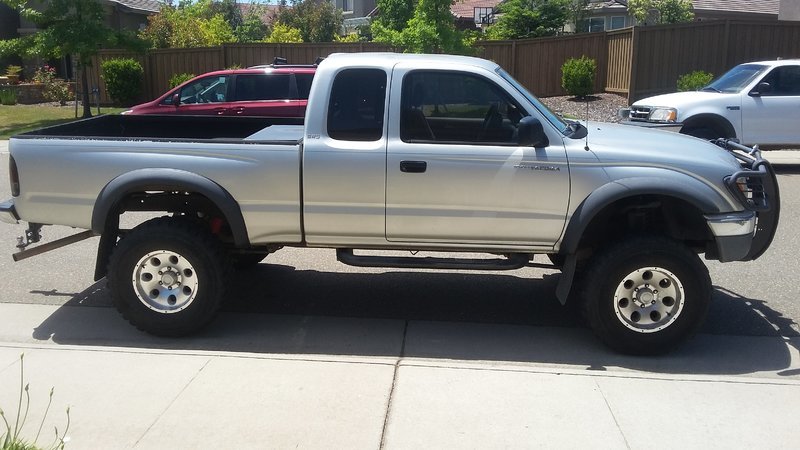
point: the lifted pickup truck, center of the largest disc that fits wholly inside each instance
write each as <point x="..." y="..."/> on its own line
<point x="403" y="152"/>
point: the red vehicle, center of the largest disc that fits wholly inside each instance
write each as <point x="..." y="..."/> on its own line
<point x="274" y="90"/>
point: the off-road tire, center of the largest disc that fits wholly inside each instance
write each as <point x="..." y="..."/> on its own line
<point x="671" y="318"/>
<point x="201" y="267"/>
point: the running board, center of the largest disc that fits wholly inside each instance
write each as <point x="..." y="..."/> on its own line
<point x="514" y="261"/>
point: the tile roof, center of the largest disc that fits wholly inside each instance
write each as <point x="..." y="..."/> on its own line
<point x="739" y="6"/>
<point x="141" y="5"/>
<point x="465" y="9"/>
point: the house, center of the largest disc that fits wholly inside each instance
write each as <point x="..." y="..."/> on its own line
<point x="468" y="14"/>
<point x="471" y="14"/>
<point x="120" y="15"/>
<point x="606" y="15"/>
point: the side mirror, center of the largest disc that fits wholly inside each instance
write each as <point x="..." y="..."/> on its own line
<point x="761" y="89"/>
<point x="176" y="99"/>
<point x="530" y="133"/>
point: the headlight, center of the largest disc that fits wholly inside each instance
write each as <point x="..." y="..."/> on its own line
<point x="664" y="115"/>
<point x="126" y="112"/>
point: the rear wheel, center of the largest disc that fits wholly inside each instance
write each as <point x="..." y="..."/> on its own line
<point x="167" y="276"/>
<point x="645" y="296"/>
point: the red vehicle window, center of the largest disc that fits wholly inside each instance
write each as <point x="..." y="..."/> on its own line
<point x="261" y="87"/>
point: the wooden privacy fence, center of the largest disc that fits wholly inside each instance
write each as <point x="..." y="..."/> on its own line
<point x="160" y="65"/>
<point x="637" y="62"/>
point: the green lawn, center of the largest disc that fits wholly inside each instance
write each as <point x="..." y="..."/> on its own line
<point x="21" y="118"/>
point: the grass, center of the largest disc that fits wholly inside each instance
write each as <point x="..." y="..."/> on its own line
<point x="21" y="118"/>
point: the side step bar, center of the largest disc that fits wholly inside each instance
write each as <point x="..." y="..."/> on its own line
<point x="514" y="261"/>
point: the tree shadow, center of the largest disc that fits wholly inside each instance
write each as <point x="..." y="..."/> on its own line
<point x="443" y="315"/>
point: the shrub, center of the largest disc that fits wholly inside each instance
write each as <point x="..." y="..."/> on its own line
<point x="55" y="89"/>
<point x="577" y="76"/>
<point x="8" y="96"/>
<point x="123" y="77"/>
<point x="179" y="78"/>
<point x="13" y="70"/>
<point x="693" y="81"/>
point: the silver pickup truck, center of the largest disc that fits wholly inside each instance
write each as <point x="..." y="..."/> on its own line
<point x="402" y="152"/>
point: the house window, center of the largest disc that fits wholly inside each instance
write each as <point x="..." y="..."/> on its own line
<point x="597" y="24"/>
<point x="617" y="22"/>
<point x="347" y="5"/>
<point x="482" y="14"/>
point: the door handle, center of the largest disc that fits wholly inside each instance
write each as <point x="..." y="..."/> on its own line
<point x="413" y="166"/>
<point x="220" y="111"/>
<point x="238" y="110"/>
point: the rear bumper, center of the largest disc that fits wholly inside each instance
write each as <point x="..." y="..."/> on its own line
<point x="8" y="213"/>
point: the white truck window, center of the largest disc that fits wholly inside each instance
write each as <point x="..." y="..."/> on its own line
<point x="356" y="108"/>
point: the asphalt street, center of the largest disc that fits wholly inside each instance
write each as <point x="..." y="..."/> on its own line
<point x="750" y="299"/>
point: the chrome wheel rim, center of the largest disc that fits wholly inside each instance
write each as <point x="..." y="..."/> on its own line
<point x="165" y="281"/>
<point x="649" y="299"/>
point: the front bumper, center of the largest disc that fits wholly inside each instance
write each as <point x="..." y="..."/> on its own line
<point x="746" y="235"/>
<point x="8" y="213"/>
<point x="671" y="126"/>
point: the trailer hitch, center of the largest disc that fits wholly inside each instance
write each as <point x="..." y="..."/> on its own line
<point x="32" y="235"/>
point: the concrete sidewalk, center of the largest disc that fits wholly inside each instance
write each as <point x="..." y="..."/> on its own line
<point x="263" y="381"/>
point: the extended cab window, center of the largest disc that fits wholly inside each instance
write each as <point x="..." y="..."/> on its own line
<point x="205" y="90"/>
<point x="439" y="106"/>
<point x="356" y="108"/>
<point x="783" y="81"/>
<point x="262" y="87"/>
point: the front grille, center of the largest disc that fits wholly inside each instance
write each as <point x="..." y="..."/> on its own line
<point x="640" y="113"/>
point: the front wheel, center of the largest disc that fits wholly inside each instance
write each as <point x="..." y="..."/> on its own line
<point x="645" y="296"/>
<point x="167" y="276"/>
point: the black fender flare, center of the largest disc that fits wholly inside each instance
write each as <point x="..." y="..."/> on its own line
<point x="168" y="179"/>
<point x="693" y="192"/>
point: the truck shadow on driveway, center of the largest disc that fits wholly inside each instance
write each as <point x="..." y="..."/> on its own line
<point x="452" y="316"/>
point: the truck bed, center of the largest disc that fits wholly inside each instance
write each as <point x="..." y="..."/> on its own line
<point x="170" y="128"/>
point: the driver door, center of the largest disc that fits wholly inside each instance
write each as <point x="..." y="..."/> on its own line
<point x="455" y="173"/>
<point x="207" y="96"/>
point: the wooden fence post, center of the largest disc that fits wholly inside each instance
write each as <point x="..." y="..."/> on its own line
<point x="634" y="64"/>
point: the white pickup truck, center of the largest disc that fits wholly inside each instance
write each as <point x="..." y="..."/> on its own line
<point x="402" y="152"/>
<point x="756" y="103"/>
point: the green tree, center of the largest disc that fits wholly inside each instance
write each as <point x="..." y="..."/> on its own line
<point x="394" y="15"/>
<point x="431" y="29"/>
<point x="522" y="19"/>
<point x="317" y="20"/>
<point x="252" y="28"/>
<point x="200" y="24"/>
<point x="67" y="27"/>
<point x="284" y="33"/>
<point x="654" y="12"/>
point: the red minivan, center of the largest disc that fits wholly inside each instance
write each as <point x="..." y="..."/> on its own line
<point x="271" y="91"/>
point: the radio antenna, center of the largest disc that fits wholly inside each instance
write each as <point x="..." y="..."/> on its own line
<point x="586" y="146"/>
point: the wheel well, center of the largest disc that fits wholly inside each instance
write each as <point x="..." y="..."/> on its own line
<point x="191" y="204"/>
<point x="718" y="124"/>
<point x="661" y="215"/>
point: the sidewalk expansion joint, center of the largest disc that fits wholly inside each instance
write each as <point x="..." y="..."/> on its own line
<point x="394" y="384"/>
<point x="172" y="402"/>
<point x="613" y="416"/>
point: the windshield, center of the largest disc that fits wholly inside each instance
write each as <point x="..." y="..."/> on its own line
<point x="550" y="115"/>
<point x="736" y="79"/>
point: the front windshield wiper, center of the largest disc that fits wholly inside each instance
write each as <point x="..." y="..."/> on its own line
<point x="710" y="88"/>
